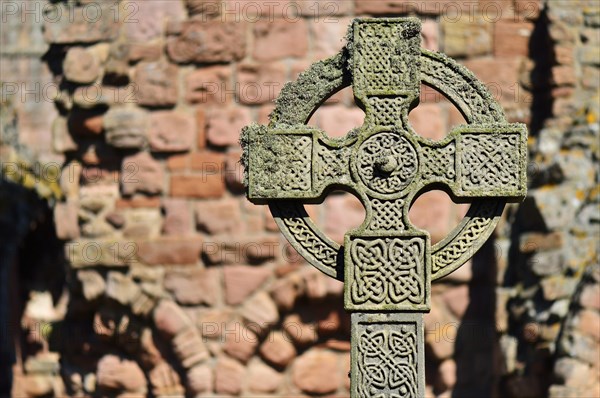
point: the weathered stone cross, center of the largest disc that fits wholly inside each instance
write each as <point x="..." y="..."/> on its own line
<point x="388" y="264"/>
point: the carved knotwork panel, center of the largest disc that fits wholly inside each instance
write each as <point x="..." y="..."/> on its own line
<point x="285" y="160"/>
<point x="387" y="162"/>
<point x="490" y="163"/>
<point x="439" y="163"/>
<point x="388" y="360"/>
<point x="478" y="161"/>
<point x="385" y="111"/>
<point x="333" y="165"/>
<point x="387" y="272"/>
<point x="385" y="56"/>
<point x="387" y="215"/>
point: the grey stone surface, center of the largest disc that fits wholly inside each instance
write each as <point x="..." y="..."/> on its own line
<point x="388" y="264"/>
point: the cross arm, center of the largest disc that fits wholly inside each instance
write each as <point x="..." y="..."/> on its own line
<point x="479" y="161"/>
<point x="293" y="162"/>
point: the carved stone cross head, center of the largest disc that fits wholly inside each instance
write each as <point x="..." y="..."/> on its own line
<point x="386" y="263"/>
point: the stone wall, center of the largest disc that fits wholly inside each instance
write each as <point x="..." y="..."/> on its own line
<point x="550" y="284"/>
<point x="177" y="285"/>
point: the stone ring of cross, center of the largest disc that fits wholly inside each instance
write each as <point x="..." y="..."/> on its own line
<point x="387" y="264"/>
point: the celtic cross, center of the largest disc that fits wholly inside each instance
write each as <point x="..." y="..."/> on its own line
<point x="387" y="265"/>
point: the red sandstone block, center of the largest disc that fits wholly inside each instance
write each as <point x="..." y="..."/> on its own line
<point x="204" y="8"/>
<point x="138" y="202"/>
<point x="493" y="10"/>
<point x="169" y="318"/>
<point x="218" y="216"/>
<point x="178" y="220"/>
<point x="225" y="125"/>
<point x="200" y="128"/>
<point x="200" y="379"/>
<point x="65" y="216"/>
<point x="201" y="186"/>
<point x="430" y="35"/>
<point x="141" y="173"/>
<point x="144" y="21"/>
<point x="431" y="96"/>
<point x="342" y="213"/>
<point x="501" y="76"/>
<point x="433" y="212"/>
<point x="590" y="297"/>
<point x="263" y="379"/>
<point x="426" y="7"/>
<point x="194" y="286"/>
<point x="278" y="350"/>
<point x="338" y="120"/>
<point x="383" y="7"/>
<point x="156" y="83"/>
<point x="264" y="112"/>
<point x="210" y="86"/>
<point x="428" y="121"/>
<point x="467" y="36"/>
<point x="114" y="373"/>
<point x="512" y="38"/>
<point x="81" y="66"/>
<point x="260" y="83"/>
<point x="527" y="9"/>
<point x="455" y="118"/>
<point x="207" y="161"/>
<point x="144" y="52"/>
<point x="328" y="37"/>
<point x="564" y="75"/>
<point x="208" y="41"/>
<point x="178" y="162"/>
<point x="317" y="372"/>
<point x="588" y="322"/>
<point x="169" y="250"/>
<point x="241" y="249"/>
<point x="73" y="25"/>
<point x="326" y="10"/>
<point x="234" y="172"/>
<point x="229" y="376"/>
<point x="242" y="344"/>
<point x="280" y="39"/>
<point x="565" y="55"/>
<point x="243" y="280"/>
<point x="171" y="131"/>
<point x="252" y="10"/>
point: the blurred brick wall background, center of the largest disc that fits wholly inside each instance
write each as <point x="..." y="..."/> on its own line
<point x="176" y="285"/>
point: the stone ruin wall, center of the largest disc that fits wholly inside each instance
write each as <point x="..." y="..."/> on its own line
<point x="549" y="291"/>
<point x="177" y="285"/>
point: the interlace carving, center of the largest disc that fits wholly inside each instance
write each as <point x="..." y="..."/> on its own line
<point x="287" y="160"/>
<point x="489" y="163"/>
<point x="438" y="163"/>
<point x="387" y="215"/>
<point x="387" y="271"/>
<point x="463" y="242"/>
<point x="386" y="111"/>
<point x="384" y="57"/>
<point x="389" y="148"/>
<point x="462" y="87"/>
<point x="387" y="362"/>
<point x="311" y="242"/>
<point x="334" y="163"/>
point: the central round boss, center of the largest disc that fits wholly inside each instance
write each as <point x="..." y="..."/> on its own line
<point x="387" y="162"/>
